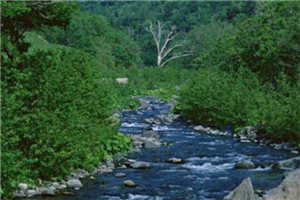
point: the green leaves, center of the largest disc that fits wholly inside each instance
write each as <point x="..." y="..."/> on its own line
<point x="217" y="99"/>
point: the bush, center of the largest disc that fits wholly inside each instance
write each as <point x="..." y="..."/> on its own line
<point x="54" y="117"/>
<point x="216" y="98"/>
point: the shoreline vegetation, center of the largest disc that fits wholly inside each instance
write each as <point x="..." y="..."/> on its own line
<point x="60" y="62"/>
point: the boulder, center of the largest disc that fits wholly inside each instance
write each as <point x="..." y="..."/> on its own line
<point x="243" y="192"/>
<point x="74" y="183"/>
<point x="122" y="80"/>
<point x="140" y="165"/>
<point x="289" y="189"/>
<point x="291" y="163"/>
<point x="129" y="183"/>
<point x="23" y="186"/>
<point x="244" y="165"/>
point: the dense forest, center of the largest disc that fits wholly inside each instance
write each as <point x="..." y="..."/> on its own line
<point x="59" y="62"/>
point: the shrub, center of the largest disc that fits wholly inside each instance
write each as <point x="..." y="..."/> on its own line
<point x="54" y="117"/>
<point x="216" y="98"/>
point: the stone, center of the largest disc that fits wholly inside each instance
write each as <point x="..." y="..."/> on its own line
<point x="243" y="192"/>
<point x="200" y="128"/>
<point x="175" y="160"/>
<point x="31" y="193"/>
<point x="122" y="80"/>
<point x="148" y="144"/>
<point x="47" y="190"/>
<point x="129" y="183"/>
<point x="62" y="187"/>
<point x="249" y="132"/>
<point x="140" y="165"/>
<point x="150" y="134"/>
<point x="120" y="175"/>
<point x="74" y="183"/>
<point x="55" y="185"/>
<point x="244" y="165"/>
<point x="23" y="186"/>
<point x="289" y="189"/>
<point x="149" y="120"/>
<point x="79" y="173"/>
<point x="19" y="194"/>
<point x="291" y="163"/>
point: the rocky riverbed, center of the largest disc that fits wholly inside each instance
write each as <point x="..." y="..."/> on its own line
<point x="174" y="160"/>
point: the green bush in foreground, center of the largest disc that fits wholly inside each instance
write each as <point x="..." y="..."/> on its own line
<point x="54" y="117"/>
<point x="217" y="99"/>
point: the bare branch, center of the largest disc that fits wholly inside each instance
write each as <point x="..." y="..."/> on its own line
<point x="175" y="57"/>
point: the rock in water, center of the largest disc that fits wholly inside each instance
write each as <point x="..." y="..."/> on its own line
<point x="120" y="175"/>
<point x="129" y="183"/>
<point x="244" y="165"/>
<point x="175" y="160"/>
<point x="243" y="192"/>
<point x="289" y="189"/>
<point x="140" y="165"/>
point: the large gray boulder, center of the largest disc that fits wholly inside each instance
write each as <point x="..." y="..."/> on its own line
<point x="291" y="163"/>
<point x="243" y="192"/>
<point x="289" y="189"/>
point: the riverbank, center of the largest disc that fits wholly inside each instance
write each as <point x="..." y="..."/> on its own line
<point x="175" y="161"/>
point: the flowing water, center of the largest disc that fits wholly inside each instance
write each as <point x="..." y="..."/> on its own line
<point x="208" y="171"/>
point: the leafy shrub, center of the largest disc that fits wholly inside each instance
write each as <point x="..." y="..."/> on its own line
<point x="217" y="98"/>
<point x="54" y="117"/>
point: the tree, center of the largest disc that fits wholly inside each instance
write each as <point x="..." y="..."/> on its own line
<point x="167" y="48"/>
<point x="21" y="17"/>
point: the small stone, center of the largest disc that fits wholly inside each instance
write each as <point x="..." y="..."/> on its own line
<point x="31" y="193"/>
<point x="47" y="190"/>
<point x="244" y="165"/>
<point x="92" y="177"/>
<point x="62" y="186"/>
<point x="74" y="183"/>
<point x="175" y="160"/>
<point x="120" y="175"/>
<point x="19" y="194"/>
<point x="77" y="188"/>
<point x="294" y="151"/>
<point x="200" y="128"/>
<point x="129" y="183"/>
<point x="55" y="184"/>
<point x="23" y="186"/>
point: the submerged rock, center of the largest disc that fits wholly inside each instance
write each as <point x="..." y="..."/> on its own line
<point x="289" y="189"/>
<point x="243" y="192"/>
<point x="175" y="160"/>
<point x="120" y="175"/>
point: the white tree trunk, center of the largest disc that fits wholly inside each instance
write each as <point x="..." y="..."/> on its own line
<point x="165" y="49"/>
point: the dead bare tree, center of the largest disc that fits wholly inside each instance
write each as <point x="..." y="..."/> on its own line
<point x="165" y="43"/>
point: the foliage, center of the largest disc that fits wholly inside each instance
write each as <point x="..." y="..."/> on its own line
<point x="131" y="17"/>
<point x="216" y="98"/>
<point x="267" y="43"/>
<point x="54" y="117"/>
<point x="93" y="34"/>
